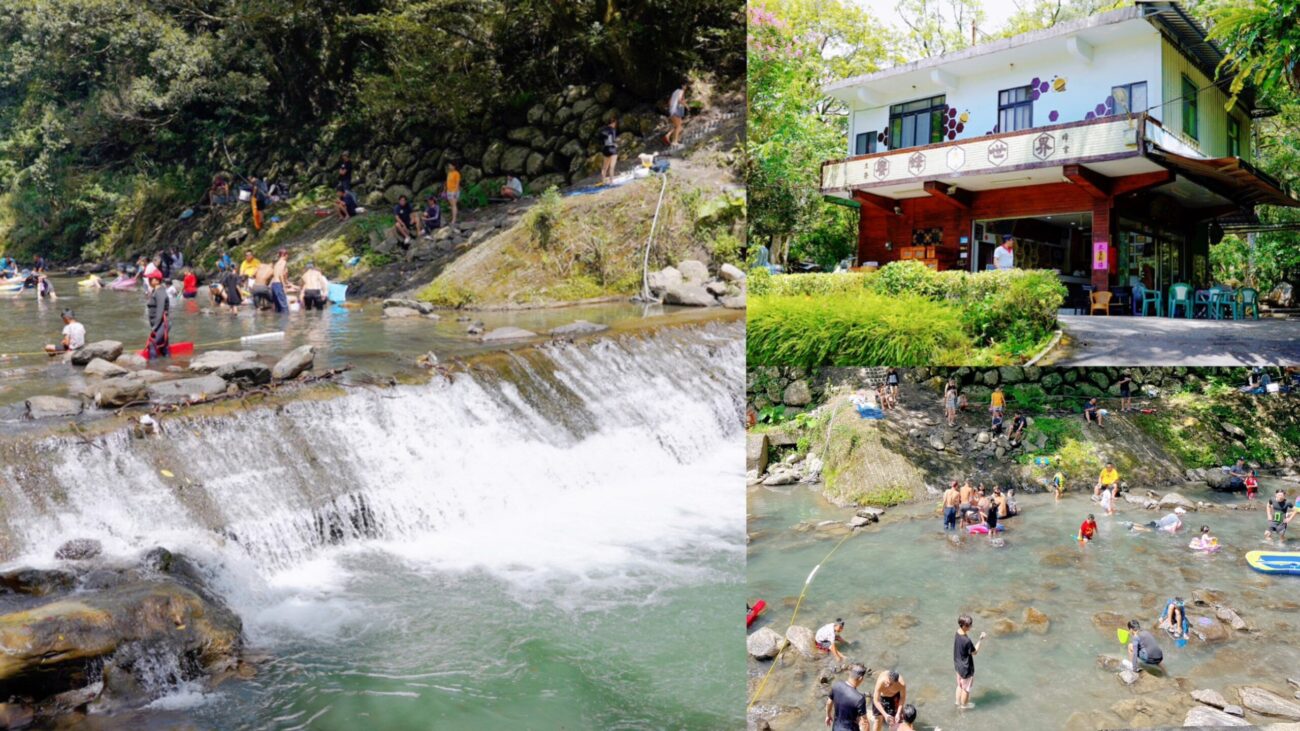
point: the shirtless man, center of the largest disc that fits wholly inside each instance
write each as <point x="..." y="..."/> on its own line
<point x="262" y="285"/>
<point x="951" y="501"/>
<point x="887" y="700"/>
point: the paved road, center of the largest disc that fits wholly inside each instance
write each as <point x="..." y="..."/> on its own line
<point x="1148" y="341"/>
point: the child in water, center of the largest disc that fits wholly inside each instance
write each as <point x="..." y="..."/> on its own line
<point x="1204" y="541"/>
<point x="1087" y="530"/>
<point x="1252" y="486"/>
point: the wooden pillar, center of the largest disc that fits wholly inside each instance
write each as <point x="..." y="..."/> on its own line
<point x="862" y="236"/>
<point x="1101" y="236"/>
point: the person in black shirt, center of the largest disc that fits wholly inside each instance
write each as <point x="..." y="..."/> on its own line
<point x="402" y="214"/>
<point x="609" y="148"/>
<point x="963" y="659"/>
<point x="345" y="172"/>
<point x="432" y="219"/>
<point x="346" y="205"/>
<point x="846" y="707"/>
<point x="1142" y="647"/>
<point x="1276" y="510"/>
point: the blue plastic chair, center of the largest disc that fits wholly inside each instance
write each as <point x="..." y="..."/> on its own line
<point x="1247" y="298"/>
<point x="1222" y="301"/>
<point x="1180" y="294"/>
<point x="1151" y="297"/>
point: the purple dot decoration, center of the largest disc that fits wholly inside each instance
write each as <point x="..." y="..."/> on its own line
<point x="952" y="112"/>
<point x="1033" y="95"/>
<point x="1110" y="102"/>
<point x="952" y="135"/>
<point x="1089" y="116"/>
<point x="1035" y="81"/>
<point x="960" y="127"/>
<point x="1054" y="115"/>
<point x="1044" y="87"/>
<point x="1100" y="111"/>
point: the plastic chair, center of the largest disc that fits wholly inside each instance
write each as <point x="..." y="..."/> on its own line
<point x="1180" y="294"/>
<point x="1220" y="300"/>
<point x="1151" y="297"/>
<point x="1099" y="301"/>
<point x="1247" y="298"/>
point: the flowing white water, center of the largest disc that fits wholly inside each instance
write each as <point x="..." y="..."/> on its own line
<point x="578" y="478"/>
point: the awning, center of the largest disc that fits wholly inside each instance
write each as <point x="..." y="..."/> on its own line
<point x="1230" y="177"/>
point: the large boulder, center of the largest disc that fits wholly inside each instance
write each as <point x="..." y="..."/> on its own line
<point x="578" y="327"/>
<point x="663" y="279"/>
<point x="1210" y="697"/>
<point x="393" y="192"/>
<point x="764" y="644"/>
<point x="79" y="549"/>
<point x="756" y="453"/>
<point x="293" y="363"/>
<point x="423" y="308"/>
<point x="101" y="368"/>
<point x="400" y="313"/>
<point x="797" y="394"/>
<point x="803" y="640"/>
<point x="115" y="392"/>
<point x="731" y="273"/>
<point x="1268" y="703"/>
<point x="1221" y="481"/>
<point x="106" y="349"/>
<point x="45" y="407"/>
<point x="214" y="359"/>
<point x="693" y="271"/>
<point x="1207" y="717"/>
<point x="246" y="373"/>
<point x="687" y="294"/>
<point x="502" y="334"/>
<point x="131" y="361"/>
<point x="1174" y="500"/>
<point x="515" y="159"/>
<point x="187" y="390"/>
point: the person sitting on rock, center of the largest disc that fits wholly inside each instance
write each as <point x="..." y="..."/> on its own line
<point x="828" y="636"/>
<point x="431" y="220"/>
<point x="1017" y="430"/>
<point x="1174" y="619"/>
<point x="346" y="205"/>
<point x="1092" y="412"/>
<point x="1108" y="479"/>
<point x="74" y="335"/>
<point x="247" y="268"/>
<point x="402" y="224"/>
<point x="513" y="190"/>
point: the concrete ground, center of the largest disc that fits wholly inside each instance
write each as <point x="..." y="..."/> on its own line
<point x="1164" y="341"/>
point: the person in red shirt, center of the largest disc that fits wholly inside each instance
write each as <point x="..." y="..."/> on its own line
<point x="1088" y="529"/>
<point x="190" y="284"/>
<point x="1252" y="485"/>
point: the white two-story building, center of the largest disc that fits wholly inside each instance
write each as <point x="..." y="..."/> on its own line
<point x="1104" y="146"/>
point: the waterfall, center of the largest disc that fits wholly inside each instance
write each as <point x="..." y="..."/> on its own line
<point x="561" y="459"/>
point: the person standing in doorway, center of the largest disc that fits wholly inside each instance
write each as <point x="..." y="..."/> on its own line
<point x="963" y="658"/>
<point x="1004" y="257"/>
<point x="846" y="707"/>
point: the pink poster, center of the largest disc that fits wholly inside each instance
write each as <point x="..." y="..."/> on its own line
<point x="1100" y="255"/>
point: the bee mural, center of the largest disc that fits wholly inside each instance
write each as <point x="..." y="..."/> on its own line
<point x="1058" y="83"/>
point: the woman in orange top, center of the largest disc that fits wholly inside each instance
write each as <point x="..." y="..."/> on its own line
<point x="453" y="190"/>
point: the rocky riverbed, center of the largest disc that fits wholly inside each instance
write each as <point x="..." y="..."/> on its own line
<point x="93" y="636"/>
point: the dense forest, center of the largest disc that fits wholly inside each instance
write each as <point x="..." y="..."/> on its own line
<point x="798" y="46"/>
<point x="112" y="110"/>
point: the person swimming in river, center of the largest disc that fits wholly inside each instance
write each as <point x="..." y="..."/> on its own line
<point x="1087" y="530"/>
<point x="158" y="307"/>
<point x="887" y="700"/>
<point x="1142" y="647"/>
<point x="828" y="636"/>
<point x="1174" y="619"/>
<point x="1171" y="523"/>
<point x="1279" y="514"/>
<point x="1204" y="541"/>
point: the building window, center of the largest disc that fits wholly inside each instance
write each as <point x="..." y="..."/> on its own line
<point x="1130" y="98"/>
<point x="918" y="122"/>
<point x="1015" y="109"/>
<point x="1190" y="116"/>
<point x="864" y="143"/>
<point x="1234" y="136"/>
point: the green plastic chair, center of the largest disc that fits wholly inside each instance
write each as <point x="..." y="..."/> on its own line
<point x="1247" y="298"/>
<point x="1180" y="294"/>
<point x="1222" y="302"/>
<point x="1150" y="298"/>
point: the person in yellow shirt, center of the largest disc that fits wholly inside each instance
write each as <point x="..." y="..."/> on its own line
<point x="248" y="267"/>
<point x="1109" y="479"/>
<point x="453" y="190"/>
<point x="997" y="404"/>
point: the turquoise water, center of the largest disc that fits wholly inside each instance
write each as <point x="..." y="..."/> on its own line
<point x="901" y="585"/>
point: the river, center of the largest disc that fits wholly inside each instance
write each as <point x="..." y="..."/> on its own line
<point x="901" y="585"/>
<point x="541" y="542"/>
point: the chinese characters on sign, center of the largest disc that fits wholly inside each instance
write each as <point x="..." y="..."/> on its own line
<point x="1100" y="255"/>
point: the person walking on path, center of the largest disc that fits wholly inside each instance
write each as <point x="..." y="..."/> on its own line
<point x="677" y="116"/>
<point x="963" y="658"/>
<point x="846" y="707"/>
<point x="609" y="148"/>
